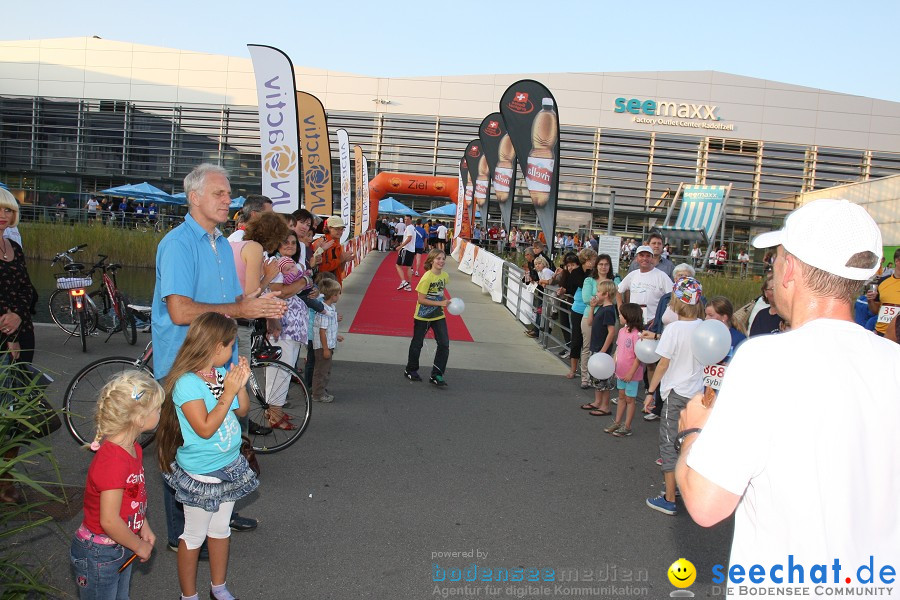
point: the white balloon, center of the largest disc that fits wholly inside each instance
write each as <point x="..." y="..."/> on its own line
<point x="710" y="342"/>
<point x="645" y="350"/>
<point x="601" y="365"/>
<point x="456" y="306"/>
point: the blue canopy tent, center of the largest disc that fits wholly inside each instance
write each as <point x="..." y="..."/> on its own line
<point x="3" y="185"/>
<point x="141" y="191"/>
<point x="391" y="206"/>
<point x="447" y="210"/>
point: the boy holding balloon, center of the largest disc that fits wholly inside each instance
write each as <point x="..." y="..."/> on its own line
<point x="429" y="314"/>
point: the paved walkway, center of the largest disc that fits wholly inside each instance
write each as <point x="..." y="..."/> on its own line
<point x="500" y="470"/>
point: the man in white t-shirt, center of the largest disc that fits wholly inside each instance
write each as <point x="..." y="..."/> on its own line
<point x="813" y="472"/>
<point x="92" y="206"/>
<point x="644" y="286"/>
<point x="405" y="254"/>
<point x="442" y="236"/>
<point x="744" y="260"/>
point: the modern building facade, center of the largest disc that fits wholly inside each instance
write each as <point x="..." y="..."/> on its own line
<point x="82" y="114"/>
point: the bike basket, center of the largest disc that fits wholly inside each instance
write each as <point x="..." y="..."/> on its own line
<point x="73" y="283"/>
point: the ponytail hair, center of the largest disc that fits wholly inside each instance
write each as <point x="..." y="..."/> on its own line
<point x="125" y="398"/>
<point x="207" y="333"/>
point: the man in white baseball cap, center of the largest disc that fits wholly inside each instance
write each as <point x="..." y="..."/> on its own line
<point x="333" y="256"/>
<point x="802" y="437"/>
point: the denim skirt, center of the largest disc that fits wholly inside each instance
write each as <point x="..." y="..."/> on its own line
<point x="237" y="481"/>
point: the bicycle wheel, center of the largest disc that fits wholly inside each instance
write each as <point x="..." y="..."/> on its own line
<point x="107" y="321"/>
<point x="83" y="328"/>
<point x="276" y="381"/>
<point x="63" y="314"/>
<point x="80" y="400"/>
<point x="126" y="320"/>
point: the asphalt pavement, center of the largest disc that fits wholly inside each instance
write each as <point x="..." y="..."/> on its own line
<point x="402" y="490"/>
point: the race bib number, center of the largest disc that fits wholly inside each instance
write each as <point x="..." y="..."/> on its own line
<point x="712" y="376"/>
<point x="887" y="313"/>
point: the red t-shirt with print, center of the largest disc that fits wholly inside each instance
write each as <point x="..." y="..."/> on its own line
<point x="113" y="468"/>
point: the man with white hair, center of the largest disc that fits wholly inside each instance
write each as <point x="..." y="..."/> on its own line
<point x="812" y="469"/>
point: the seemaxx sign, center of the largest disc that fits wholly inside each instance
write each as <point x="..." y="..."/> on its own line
<point x="666" y="112"/>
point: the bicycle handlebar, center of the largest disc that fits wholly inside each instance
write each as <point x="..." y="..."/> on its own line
<point x="66" y="254"/>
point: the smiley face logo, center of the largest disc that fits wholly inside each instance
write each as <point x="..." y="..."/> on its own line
<point x="682" y="573"/>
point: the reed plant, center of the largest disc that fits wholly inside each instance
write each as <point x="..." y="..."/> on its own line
<point x="28" y="461"/>
<point x="126" y="246"/>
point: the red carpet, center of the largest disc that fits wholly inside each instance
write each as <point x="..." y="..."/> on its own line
<point x="385" y="310"/>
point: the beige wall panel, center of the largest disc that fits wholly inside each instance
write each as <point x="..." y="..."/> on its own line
<point x="883" y="107"/>
<point x="195" y="61"/>
<point x="467" y="91"/>
<point x="629" y="87"/>
<point x="54" y="56"/>
<point x="719" y="78"/>
<point x="155" y="60"/>
<point x="791" y="99"/>
<point x="505" y="80"/>
<point x="409" y="105"/>
<point x="15" y="53"/>
<point x="60" y="73"/>
<point x="154" y="93"/>
<point x="731" y="113"/>
<point x="743" y="130"/>
<point x="585" y="117"/>
<point x="587" y="82"/>
<point x="240" y="65"/>
<point x="200" y="79"/>
<point x="108" y="75"/>
<point x="240" y="80"/>
<point x="466" y="108"/>
<point x="845" y="104"/>
<point x="695" y="77"/>
<point x="313" y="84"/>
<point x="19" y="87"/>
<point x="242" y="97"/>
<point x="76" y="43"/>
<point x="106" y="58"/>
<point x="481" y="79"/>
<point x="786" y="134"/>
<point x="841" y="139"/>
<point x="19" y="70"/>
<point x="210" y="95"/>
<point x="416" y="88"/>
<point x="789" y="116"/>
<point x="581" y="100"/>
<point x="107" y="90"/>
<point x="355" y="102"/>
<point x="679" y="90"/>
<point x="733" y="94"/>
<point x="155" y="76"/>
<point x="844" y="121"/>
<point x="890" y="125"/>
<point x="349" y="85"/>
<point x="884" y="142"/>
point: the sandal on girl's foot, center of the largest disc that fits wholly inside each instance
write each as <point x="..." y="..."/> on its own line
<point x="589" y="407"/>
<point x="600" y="413"/>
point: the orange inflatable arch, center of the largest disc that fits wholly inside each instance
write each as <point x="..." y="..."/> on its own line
<point x="387" y="184"/>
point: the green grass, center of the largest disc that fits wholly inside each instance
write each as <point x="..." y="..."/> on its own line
<point x="739" y="291"/>
<point x="126" y="246"/>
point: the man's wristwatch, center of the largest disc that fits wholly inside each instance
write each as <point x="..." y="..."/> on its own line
<point x="679" y="439"/>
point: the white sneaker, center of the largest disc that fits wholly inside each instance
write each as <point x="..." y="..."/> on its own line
<point x="407" y="287"/>
<point x="403" y="284"/>
<point x="650" y="417"/>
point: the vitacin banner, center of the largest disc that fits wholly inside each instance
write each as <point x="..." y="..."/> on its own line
<point x="279" y="146"/>
<point x="358" y="165"/>
<point x="501" y="159"/>
<point x="315" y="154"/>
<point x="344" y="156"/>
<point x="530" y="113"/>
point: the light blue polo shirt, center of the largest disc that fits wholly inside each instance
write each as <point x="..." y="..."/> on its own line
<point x="188" y="265"/>
<point x="198" y="455"/>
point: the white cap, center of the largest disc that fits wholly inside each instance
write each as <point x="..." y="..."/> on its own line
<point x="643" y="249"/>
<point x="825" y="234"/>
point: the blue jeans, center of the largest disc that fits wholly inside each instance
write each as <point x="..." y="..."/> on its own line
<point x="96" y="570"/>
<point x="174" y="514"/>
<point x="441" y="337"/>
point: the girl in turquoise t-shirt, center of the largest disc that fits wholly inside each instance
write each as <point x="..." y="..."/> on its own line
<point x="199" y="442"/>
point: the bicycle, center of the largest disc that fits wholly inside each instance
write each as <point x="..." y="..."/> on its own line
<point x="268" y="378"/>
<point x="107" y="308"/>
<point x="69" y="306"/>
